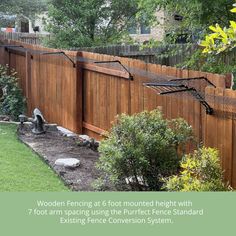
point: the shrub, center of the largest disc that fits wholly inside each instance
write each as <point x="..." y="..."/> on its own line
<point x="201" y="171"/>
<point x="143" y="148"/>
<point x="209" y="62"/>
<point x="12" y="102"/>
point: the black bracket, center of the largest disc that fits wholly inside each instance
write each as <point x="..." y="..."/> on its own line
<point x="59" y="53"/>
<point x="172" y="87"/>
<point x="117" y="61"/>
<point x="195" y="78"/>
<point x="11" y="46"/>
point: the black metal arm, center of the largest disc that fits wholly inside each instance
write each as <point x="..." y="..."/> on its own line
<point x="117" y="61"/>
<point x="182" y="88"/>
<point x="59" y="53"/>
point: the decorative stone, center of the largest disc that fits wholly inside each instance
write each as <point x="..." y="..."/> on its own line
<point x="71" y="135"/>
<point x="68" y="162"/>
<point x="51" y="127"/>
<point x="38" y="122"/>
<point x="66" y="132"/>
<point x="4" y="118"/>
<point x="83" y="143"/>
<point x="84" y="137"/>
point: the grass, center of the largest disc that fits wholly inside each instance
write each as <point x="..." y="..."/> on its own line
<point x="21" y="170"/>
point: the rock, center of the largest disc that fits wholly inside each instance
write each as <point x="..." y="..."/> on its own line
<point x="94" y="144"/>
<point x="83" y="143"/>
<point x="51" y="127"/>
<point x="4" y="118"/>
<point x="66" y="132"/>
<point x="71" y="135"/>
<point x="68" y="162"/>
<point x="84" y="137"/>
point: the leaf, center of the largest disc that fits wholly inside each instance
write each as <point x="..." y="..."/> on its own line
<point x="233" y="24"/>
<point x="213" y="28"/>
<point x="204" y="43"/>
<point x="214" y="35"/>
<point x="221" y="31"/>
<point x="233" y="10"/>
<point x="206" y="50"/>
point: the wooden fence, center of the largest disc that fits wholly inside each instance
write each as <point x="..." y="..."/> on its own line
<point x="85" y="97"/>
<point x="36" y="39"/>
<point x="169" y="55"/>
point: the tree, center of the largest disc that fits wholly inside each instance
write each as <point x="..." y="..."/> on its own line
<point x="89" y="22"/>
<point x="222" y="39"/>
<point x="27" y="8"/>
<point x="217" y="45"/>
<point x="197" y="14"/>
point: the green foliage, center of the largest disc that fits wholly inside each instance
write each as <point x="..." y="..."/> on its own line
<point x="200" y="171"/>
<point x="209" y="63"/>
<point x="143" y="148"/>
<point x="28" y="8"/>
<point x="89" y="23"/>
<point x="12" y="102"/>
<point x="197" y="14"/>
<point x="222" y="39"/>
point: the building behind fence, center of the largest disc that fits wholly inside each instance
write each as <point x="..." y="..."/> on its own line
<point x="85" y="96"/>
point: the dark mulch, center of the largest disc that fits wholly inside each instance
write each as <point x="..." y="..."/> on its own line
<point x="53" y="145"/>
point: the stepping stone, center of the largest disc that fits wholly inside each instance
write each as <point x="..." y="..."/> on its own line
<point x="68" y="162"/>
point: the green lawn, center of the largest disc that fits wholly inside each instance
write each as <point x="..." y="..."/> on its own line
<point x="21" y="169"/>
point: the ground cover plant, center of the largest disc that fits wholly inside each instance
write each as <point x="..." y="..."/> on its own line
<point x="143" y="148"/>
<point x="21" y="169"/>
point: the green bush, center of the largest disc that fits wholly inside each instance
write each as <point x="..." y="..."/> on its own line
<point x="209" y="63"/>
<point x="143" y="148"/>
<point x="12" y="102"/>
<point x="201" y="171"/>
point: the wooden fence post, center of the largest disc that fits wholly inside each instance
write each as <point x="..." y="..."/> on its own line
<point x="79" y="96"/>
<point x="28" y="81"/>
<point x="7" y="57"/>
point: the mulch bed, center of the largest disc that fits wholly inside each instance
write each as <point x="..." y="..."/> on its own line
<point x="54" y="145"/>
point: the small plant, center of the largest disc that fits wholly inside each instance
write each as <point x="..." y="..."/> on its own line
<point x="12" y="102"/>
<point x="143" y="148"/>
<point x="200" y="171"/>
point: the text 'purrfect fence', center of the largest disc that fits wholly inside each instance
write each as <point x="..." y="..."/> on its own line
<point x="85" y="91"/>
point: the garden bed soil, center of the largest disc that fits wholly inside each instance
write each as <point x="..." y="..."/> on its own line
<point x="54" y="145"/>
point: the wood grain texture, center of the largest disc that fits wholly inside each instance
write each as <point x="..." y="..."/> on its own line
<point x="87" y="98"/>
